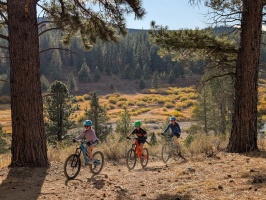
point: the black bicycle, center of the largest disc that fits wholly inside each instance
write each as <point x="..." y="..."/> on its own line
<point x="170" y="149"/>
<point x="73" y="162"/>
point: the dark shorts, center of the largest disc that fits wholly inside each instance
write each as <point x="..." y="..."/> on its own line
<point x="141" y="140"/>
<point x="92" y="143"/>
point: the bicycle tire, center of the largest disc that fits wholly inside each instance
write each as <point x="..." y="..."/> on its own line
<point x="98" y="162"/>
<point x="131" y="159"/>
<point x="72" y="166"/>
<point x="144" y="161"/>
<point x="165" y="153"/>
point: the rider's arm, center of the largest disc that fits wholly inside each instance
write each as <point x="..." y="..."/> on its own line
<point x="166" y="128"/>
<point x="131" y="133"/>
<point x="81" y="136"/>
<point x="178" y="128"/>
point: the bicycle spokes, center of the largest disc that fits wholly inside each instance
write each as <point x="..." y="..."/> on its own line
<point x="144" y="158"/>
<point x="97" y="162"/>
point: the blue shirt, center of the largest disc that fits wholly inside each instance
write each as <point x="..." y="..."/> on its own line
<point x="175" y="129"/>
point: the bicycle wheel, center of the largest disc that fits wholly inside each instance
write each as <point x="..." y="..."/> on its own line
<point x="145" y="158"/>
<point x="166" y="153"/>
<point x="98" y="162"/>
<point x="72" y="166"/>
<point x="131" y="159"/>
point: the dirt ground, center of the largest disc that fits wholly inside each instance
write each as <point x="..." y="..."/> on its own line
<point x="224" y="176"/>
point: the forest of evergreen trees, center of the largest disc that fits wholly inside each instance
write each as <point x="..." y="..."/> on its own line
<point x="133" y="58"/>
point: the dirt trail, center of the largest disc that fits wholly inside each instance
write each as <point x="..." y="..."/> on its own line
<point x="226" y="176"/>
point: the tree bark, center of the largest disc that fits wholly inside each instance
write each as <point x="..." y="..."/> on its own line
<point x="243" y="136"/>
<point x="28" y="136"/>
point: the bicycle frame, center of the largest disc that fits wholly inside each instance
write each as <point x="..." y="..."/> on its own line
<point x="84" y="150"/>
<point x="136" y="146"/>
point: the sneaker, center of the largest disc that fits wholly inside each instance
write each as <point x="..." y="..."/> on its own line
<point x="96" y="162"/>
<point x="88" y="163"/>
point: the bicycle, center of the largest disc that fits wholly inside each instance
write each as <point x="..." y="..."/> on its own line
<point x="73" y="162"/>
<point x="171" y="149"/>
<point x="135" y="152"/>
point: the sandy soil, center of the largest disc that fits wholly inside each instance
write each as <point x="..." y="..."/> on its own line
<point x="224" y="176"/>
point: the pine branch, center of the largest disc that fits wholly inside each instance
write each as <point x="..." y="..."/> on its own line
<point x="3" y="3"/>
<point x="4" y="37"/>
<point x="53" y="48"/>
<point x="4" y="17"/>
<point x="49" y="29"/>
<point x="3" y="80"/>
<point x="3" y="47"/>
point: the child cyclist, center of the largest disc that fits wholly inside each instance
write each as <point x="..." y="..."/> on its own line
<point x="141" y="134"/>
<point x="90" y="136"/>
<point x="174" y="129"/>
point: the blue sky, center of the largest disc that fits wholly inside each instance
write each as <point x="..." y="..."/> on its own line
<point x="176" y="14"/>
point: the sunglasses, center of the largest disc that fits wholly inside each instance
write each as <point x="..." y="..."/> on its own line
<point x="87" y="126"/>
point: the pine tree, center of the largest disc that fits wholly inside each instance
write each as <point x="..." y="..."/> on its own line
<point x="123" y="124"/>
<point x="56" y="66"/>
<point x="72" y="84"/>
<point x="155" y="80"/>
<point x="5" y="90"/>
<point x="58" y="110"/>
<point x="23" y="34"/>
<point x="99" y="117"/>
<point x="171" y="77"/>
<point x="44" y="83"/>
<point x="97" y="75"/>
<point x="142" y="83"/>
<point x="84" y="74"/>
<point x="153" y="140"/>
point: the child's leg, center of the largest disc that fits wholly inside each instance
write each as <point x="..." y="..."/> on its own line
<point x="141" y="147"/>
<point x="90" y="151"/>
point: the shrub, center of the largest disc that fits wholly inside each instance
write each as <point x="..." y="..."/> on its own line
<point x="114" y="148"/>
<point x="169" y="105"/>
<point x="112" y="100"/>
<point x="79" y="98"/>
<point x="87" y="97"/>
<point x="183" y="98"/>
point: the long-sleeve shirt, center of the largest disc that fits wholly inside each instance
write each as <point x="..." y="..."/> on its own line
<point x="174" y="128"/>
<point x="140" y="133"/>
<point x="88" y="134"/>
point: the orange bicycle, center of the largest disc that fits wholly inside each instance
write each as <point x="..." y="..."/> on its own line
<point x="134" y="153"/>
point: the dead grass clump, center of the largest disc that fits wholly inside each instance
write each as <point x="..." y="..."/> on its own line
<point x="113" y="148"/>
<point x="208" y="144"/>
<point x="5" y="159"/>
<point x="60" y="152"/>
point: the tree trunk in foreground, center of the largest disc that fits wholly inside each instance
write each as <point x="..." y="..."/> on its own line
<point x="28" y="137"/>
<point x="244" y="128"/>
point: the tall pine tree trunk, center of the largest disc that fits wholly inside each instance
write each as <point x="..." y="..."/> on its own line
<point x="244" y="128"/>
<point x="28" y="137"/>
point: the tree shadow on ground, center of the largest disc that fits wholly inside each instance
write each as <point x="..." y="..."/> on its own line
<point x="256" y="154"/>
<point x="123" y="195"/>
<point x="23" y="183"/>
<point x="174" y="197"/>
